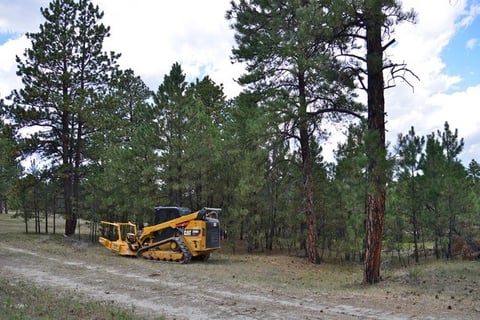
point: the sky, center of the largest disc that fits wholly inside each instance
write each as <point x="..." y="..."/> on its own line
<point x="442" y="48"/>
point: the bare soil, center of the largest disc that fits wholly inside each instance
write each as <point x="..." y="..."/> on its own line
<point x="239" y="286"/>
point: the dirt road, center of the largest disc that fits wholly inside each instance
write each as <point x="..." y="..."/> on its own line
<point x="226" y="287"/>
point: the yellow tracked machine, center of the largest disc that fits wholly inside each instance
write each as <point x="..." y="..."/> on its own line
<point x="177" y="234"/>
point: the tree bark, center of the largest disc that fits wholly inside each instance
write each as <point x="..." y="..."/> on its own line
<point x="415" y="236"/>
<point x="70" y="219"/>
<point x="310" y="219"/>
<point x="373" y="245"/>
<point x="451" y="223"/>
<point x="312" y="238"/>
<point x="375" y="146"/>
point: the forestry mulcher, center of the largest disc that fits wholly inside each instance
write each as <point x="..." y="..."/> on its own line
<point x="177" y="234"/>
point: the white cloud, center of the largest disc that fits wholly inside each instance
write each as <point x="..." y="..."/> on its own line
<point x="470" y="14"/>
<point x="435" y="99"/>
<point x="20" y="16"/>
<point x="153" y="34"/>
<point x="471" y="43"/>
<point x="16" y="17"/>
<point x="8" y="67"/>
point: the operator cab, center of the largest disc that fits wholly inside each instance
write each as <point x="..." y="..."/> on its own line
<point x="164" y="214"/>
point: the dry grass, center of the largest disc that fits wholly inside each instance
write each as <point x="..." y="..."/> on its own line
<point x="443" y="286"/>
<point x="21" y="300"/>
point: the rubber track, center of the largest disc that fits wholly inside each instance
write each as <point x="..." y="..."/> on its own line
<point x="187" y="256"/>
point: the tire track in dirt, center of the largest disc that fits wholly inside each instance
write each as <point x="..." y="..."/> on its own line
<point x="189" y="298"/>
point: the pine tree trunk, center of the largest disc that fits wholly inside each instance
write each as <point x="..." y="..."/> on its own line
<point x="312" y="238"/>
<point x="451" y="226"/>
<point x="436" y="249"/>
<point x="70" y="218"/>
<point x="415" y="236"/>
<point x="70" y="225"/>
<point x="76" y="178"/>
<point x="375" y="146"/>
<point x="373" y="245"/>
<point x="25" y="217"/>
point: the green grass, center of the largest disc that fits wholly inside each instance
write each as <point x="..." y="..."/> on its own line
<point x="14" y="223"/>
<point x="429" y="285"/>
<point x="22" y="301"/>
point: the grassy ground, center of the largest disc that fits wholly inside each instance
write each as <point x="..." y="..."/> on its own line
<point x="450" y="287"/>
<point x="23" y="301"/>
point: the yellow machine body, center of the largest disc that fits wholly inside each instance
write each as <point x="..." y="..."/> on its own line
<point x="193" y="235"/>
<point x="117" y="240"/>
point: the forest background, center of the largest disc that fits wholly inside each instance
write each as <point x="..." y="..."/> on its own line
<point x="98" y="144"/>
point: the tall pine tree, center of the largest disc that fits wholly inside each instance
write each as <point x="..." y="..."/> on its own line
<point x="64" y="74"/>
<point x="174" y="108"/>
<point x="290" y="64"/>
<point x="410" y="152"/>
<point x="9" y="167"/>
<point x="368" y="23"/>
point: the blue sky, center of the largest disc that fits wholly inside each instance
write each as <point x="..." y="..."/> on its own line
<point x="462" y="55"/>
<point x="442" y="49"/>
<point x="4" y="37"/>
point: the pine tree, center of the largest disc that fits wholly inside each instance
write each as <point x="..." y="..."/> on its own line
<point x="64" y="73"/>
<point x="9" y="167"/>
<point x="123" y="152"/>
<point x="174" y="108"/>
<point x="366" y="24"/>
<point x="410" y="152"/>
<point x="432" y="165"/>
<point x="350" y="183"/>
<point x="455" y="180"/>
<point x="290" y="64"/>
<point x="206" y="144"/>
